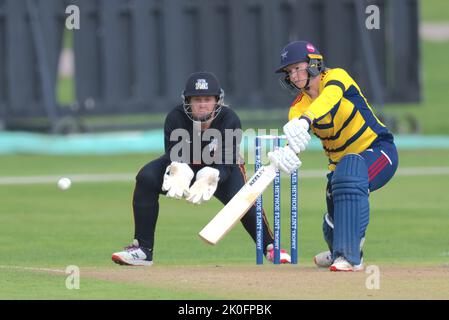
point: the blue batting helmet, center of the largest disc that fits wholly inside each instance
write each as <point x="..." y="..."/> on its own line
<point x="301" y="51"/>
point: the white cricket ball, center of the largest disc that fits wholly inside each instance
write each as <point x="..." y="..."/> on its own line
<point x="64" y="183"/>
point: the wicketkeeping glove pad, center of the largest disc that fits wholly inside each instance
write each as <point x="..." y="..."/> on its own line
<point x="177" y="179"/>
<point x="205" y="185"/>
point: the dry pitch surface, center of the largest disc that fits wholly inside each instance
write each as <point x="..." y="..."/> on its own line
<point x="285" y="282"/>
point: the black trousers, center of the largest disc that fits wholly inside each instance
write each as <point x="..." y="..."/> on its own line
<point x="146" y="201"/>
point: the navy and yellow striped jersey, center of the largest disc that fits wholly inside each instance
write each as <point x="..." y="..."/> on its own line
<point x="341" y="116"/>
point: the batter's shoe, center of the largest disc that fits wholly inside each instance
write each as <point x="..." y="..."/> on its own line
<point x="134" y="255"/>
<point x="285" y="257"/>
<point x="341" y="264"/>
<point x="323" y="259"/>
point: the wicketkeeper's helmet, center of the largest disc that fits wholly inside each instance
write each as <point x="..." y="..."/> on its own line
<point x="202" y="84"/>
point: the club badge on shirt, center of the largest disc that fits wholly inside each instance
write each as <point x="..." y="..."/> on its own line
<point x="213" y="145"/>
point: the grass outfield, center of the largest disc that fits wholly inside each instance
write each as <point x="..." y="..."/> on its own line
<point x="434" y="10"/>
<point x="44" y="230"/>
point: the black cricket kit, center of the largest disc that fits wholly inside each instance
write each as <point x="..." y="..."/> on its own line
<point x="221" y="154"/>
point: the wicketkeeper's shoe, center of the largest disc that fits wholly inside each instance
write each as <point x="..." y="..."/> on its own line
<point x="341" y="264"/>
<point x="323" y="259"/>
<point x="134" y="255"/>
<point x="285" y="257"/>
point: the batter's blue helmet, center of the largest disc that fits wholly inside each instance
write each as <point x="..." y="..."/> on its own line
<point x="301" y="51"/>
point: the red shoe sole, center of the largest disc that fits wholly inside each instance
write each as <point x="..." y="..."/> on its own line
<point x="119" y="261"/>
<point x="334" y="269"/>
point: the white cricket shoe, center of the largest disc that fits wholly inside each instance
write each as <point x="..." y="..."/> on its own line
<point x="134" y="255"/>
<point x="323" y="259"/>
<point x="341" y="264"/>
<point x="285" y="257"/>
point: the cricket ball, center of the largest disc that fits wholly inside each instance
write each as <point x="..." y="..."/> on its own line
<point x="64" y="183"/>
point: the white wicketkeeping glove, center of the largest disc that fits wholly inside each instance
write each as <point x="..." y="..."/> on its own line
<point x="177" y="179"/>
<point x="284" y="159"/>
<point x="296" y="131"/>
<point x="205" y="185"/>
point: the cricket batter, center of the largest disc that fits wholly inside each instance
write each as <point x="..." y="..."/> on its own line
<point x="195" y="172"/>
<point x="361" y="151"/>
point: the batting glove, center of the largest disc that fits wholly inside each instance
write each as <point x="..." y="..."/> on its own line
<point x="296" y="131"/>
<point x="284" y="159"/>
<point x="205" y="185"/>
<point x="177" y="179"/>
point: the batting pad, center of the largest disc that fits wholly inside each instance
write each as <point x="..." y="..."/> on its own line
<point x="351" y="207"/>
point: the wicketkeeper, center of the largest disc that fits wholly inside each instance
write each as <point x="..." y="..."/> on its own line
<point x="195" y="174"/>
<point x="362" y="154"/>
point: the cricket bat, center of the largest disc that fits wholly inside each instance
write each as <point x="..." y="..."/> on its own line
<point x="236" y="208"/>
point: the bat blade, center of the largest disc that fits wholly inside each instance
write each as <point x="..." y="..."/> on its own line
<point x="237" y="207"/>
